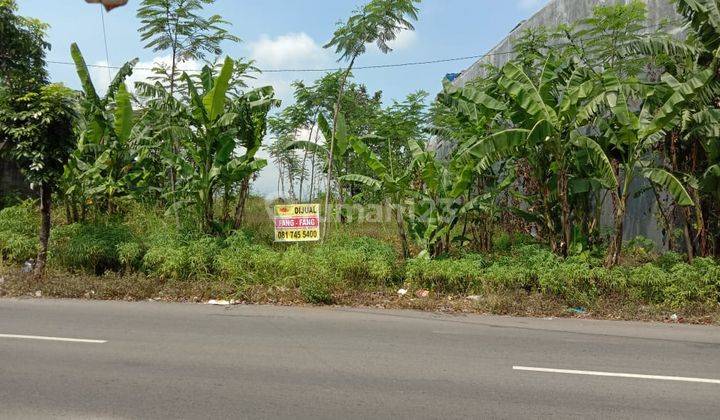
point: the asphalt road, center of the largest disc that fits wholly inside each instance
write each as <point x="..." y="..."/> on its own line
<point x="154" y="360"/>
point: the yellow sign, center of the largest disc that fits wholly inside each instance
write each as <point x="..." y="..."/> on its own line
<point x="297" y="222"/>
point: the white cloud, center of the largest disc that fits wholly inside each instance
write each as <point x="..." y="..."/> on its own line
<point x="289" y="50"/>
<point x="404" y="39"/>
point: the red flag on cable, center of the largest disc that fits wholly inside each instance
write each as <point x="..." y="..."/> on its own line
<point x="109" y="4"/>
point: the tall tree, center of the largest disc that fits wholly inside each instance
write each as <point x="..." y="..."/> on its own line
<point x="22" y="50"/>
<point x="377" y="22"/>
<point x="40" y="126"/>
<point x="178" y="27"/>
<point x="35" y="118"/>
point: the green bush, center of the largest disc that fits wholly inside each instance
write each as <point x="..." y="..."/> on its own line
<point x="668" y="260"/>
<point x="19" y="232"/>
<point x="578" y="284"/>
<point x="91" y="246"/>
<point x="358" y="261"/>
<point x="130" y="255"/>
<point x="315" y="291"/>
<point x="175" y="258"/>
<point x="445" y="275"/>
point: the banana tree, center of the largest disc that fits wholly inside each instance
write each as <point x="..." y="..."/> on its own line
<point x="543" y="112"/>
<point x="214" y="128"/>
<point x="630" y="137"/>
<point x="394" y="186"/>
<point x="446" y="196"/>
<point x="101" y="168"/>
<point x="252" y="109"/>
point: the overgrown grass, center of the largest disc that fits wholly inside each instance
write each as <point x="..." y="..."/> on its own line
<point x="147" y="244"/>
<point x="18" y="232"/>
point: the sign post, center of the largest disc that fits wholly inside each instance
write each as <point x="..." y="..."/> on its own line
<point x="297" y="222"/>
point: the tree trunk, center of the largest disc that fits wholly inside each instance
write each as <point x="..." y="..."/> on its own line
<point x="304" y="161"/>
<point x="615" y="248"/>
<point x="336" y="114"/>
<point x="687" y="232"/>
<point x="209" y="215"/>
<point x="45" y="222"/>
<point x="401" y="231"/>
<point x="242" y="198"/>
<point x="667" y="223"/>
<point x="619" y="197"/>
<point x="565" y="213"/>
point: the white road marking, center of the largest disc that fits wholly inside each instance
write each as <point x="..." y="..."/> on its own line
<point x="618" y="375"/>
<point x="40" y="337"/>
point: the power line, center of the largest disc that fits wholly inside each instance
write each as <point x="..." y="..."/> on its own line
<point x="368" y="67"/>
<point x="300" y="70"/>
<point x="107" y="50"/>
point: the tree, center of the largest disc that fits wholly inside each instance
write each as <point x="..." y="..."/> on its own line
<point x="36" y="118"/>
<point x="103" y="163"/>
<point x="692" y="145"/>
<point x="629" y="138"/>
<point x="22" y="58"/>
<point x="392" y="184"/>
<point x="22" y="50"/>
<point x="40" y="126"/>
<point x="377" y="22"/>
<point x="178" y="27"/>
<point x="212" y="127"/>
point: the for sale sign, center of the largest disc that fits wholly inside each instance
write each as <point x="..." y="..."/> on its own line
<point x="297" y="222"/>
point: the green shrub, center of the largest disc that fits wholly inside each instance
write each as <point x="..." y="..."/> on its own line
<point x="92" y="246"/>
<point x="640" y="250"/>
<point x="130" y="255"/>
<point x="503" y="275"/>
<point x="179" y="259"/>
<point x="19" y="232"/>
<point x="445" y="275"/>
<point x="693" y="283"/>
<point x="169" y="262"/>
<point x="668" y="260"/>
<point x="577" y="284"/>
<point x="315" y="291"/>
<point x="358" y="261"/>
<point x="647" y="283"/>
<point x="502" y="242"/>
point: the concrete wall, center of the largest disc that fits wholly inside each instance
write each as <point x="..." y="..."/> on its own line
<point x="558" y="12"/>
<point x="642" y="210"/>
<point x="11" y="181"/>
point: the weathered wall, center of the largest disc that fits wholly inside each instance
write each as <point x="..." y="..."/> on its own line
<point x="11" y="181"/>
<point x="642" y="210"/>
<point x="562" y="12"/>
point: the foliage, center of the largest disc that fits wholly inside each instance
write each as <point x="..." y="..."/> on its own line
<point x="94" y="247"/>
<point x="40" y="127"/>
<point x="22" y="50"/>
<point x="377" y="22"/>
<point x="18" y="232"/>
<point x="178" y="26"/>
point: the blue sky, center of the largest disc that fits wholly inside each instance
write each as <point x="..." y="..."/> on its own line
<point x="290" y="34"/>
